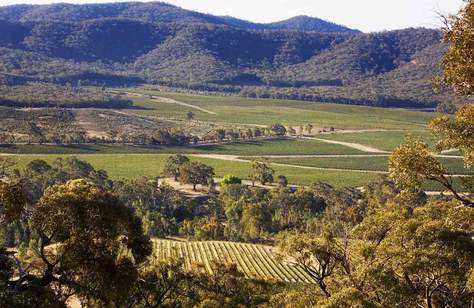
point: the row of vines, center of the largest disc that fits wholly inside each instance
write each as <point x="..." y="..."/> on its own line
<point x="255" y="261"/>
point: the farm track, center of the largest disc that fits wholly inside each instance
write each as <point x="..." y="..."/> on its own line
<point x="254" y="261"/>
<point x="357" y="146"/>
<point x="170" y="101"/>
<point x="242" y="160"/>
<point x="246" y="159"/>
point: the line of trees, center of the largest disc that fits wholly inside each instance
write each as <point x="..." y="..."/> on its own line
<point x="62" y="132"/>
<point x="274" y="130"/>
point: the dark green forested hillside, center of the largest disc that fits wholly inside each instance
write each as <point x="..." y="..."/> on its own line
<point x="367" y="54"/>
<point x="297" y="23"/>
<point x="154" y="12"/>
<point x="129" y="43"/>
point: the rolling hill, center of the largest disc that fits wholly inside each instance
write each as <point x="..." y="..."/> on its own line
<point x="297" y="23"/>
<point x="155" y="12"/>
<point x="130" y="43"/>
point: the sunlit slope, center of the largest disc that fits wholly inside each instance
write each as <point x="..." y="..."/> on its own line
<point x="255" y="261"/>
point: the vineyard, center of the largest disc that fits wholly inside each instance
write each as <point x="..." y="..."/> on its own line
<point x="255" y="261"/>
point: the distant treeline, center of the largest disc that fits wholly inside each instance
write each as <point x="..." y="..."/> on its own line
<point x="111" y="104"/>
<point x="40" y="95"/>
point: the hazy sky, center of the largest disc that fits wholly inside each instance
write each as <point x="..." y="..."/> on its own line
<point x="366" y="15"/>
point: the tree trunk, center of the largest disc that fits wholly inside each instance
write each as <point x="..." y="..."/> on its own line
<point x="428" y="298"/>
<point x="324" y="288"/>
<point x="47" y="278"/>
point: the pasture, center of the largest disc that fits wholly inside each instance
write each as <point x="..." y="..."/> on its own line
<point x="383" y="140"/>
<point x="268" y="147"/>
<point x="245" y="111"/>
<point x="132" y="166"/>
<point x="371" y="163"/>
<point x="379" y="128"/>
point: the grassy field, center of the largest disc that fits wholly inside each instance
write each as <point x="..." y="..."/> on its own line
<point x="273" y="147"/>
<point x="130" y="166"/>
<point x="455" y="165"/>
<point x="255" y="261"/>
<point x="238" y="110"/>
<point x="387" y="140"/>
<point x="126" y="161"/>
<point x="280" y="147"/>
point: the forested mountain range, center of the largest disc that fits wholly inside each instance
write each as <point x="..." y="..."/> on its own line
<point x="302" y="58"/>
<point x="154" y="12"/>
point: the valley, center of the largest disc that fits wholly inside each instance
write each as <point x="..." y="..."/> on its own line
<point x="343" y="141"/>
<point x="155" y="156"/>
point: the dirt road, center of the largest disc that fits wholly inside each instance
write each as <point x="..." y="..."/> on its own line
<point x="170" y="101"/>
<point x="357" y="146"/>
<point x="235" y="158"/>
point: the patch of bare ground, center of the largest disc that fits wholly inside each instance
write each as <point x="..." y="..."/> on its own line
<point x="97" y="123"/>
<point x="83" y="120"/>
<point x="170" y="101"/>
<point x="449" y="151"/>
<point x="201" y="191"/>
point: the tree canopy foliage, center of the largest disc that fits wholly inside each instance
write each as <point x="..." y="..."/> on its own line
<point x="397" y="256"/>
<point x="196" y="173"/>
<point x="412" y="164"/>
<point x="407" y="249"/>
<point x="458" y="61"/>
<point x="86" y="222"/>
<point x="156" y="12"/>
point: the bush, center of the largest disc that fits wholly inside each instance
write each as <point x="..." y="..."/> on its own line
<point x="231" y="180"/>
